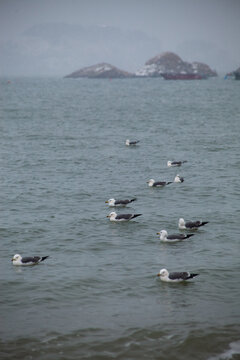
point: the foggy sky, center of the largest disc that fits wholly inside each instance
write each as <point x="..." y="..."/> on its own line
<point x="197" y="30"/>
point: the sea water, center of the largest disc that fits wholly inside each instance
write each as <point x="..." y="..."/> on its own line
<point x="97" y="296"/>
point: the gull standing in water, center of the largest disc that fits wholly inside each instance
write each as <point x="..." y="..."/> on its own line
<point x="178" y="179"/>
<point x="113" y="202"/>
<point x="172" y="238"/>
<point x="28" y="260"/>
<point x="129" y="143"/>
<point x="175" y="163"/>
<point x="153" y="183"/>
<point x="175" y="276"/>
<point x="113" y="216"/>
<point x="190" y="225"/>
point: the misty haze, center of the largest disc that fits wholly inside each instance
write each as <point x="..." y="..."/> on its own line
<point x="58" y="37"/>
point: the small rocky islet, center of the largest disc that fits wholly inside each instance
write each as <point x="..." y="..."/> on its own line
<point x="234" y="74"/>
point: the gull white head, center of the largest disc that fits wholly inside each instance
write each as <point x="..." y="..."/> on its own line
<point x="181" y="223"/>
<point x="163" y="235"/>
<point x="112" y="215"/>
<point x="150" y="182"/>
<point x="169" y="163"/>
<point x="163" y="273"/>
<point x="177" y="179"/>
<point x="127" y="142"/>
<point x="110" y="202"/>
<point x="16" y="260"/>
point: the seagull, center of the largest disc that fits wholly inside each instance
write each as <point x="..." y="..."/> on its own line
<point x="29" y="260"/>
<point x="178" y="179"/>
<point x="113" y="202"/>
<point x="154" y="183"/>
<point x="190" y="225"/>
<point x="172" y="238"/>
<point x="121" y="217"/>
<point x="129" y="143"/>
<point x="175" y="276"/>
<point x="175" y="163"/>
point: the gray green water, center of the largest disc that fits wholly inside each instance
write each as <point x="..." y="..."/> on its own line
<point x="63" y="154"/>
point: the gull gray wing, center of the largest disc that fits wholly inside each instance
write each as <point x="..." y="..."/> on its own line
<point x="33" y="259"/>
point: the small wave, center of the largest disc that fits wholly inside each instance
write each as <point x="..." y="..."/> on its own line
<point x="133" y="343"/>
<point x="234" y="349"/>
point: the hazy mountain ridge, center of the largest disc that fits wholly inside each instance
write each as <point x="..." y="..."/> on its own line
<point x="59" y="48"/>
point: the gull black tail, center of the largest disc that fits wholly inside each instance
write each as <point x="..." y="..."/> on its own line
<point x="189" y="235"/>
<point x="192" y="276"/>
<point x="44" y="258"/>
<point x="204" y="223"/>
<point x="135" y="215"/>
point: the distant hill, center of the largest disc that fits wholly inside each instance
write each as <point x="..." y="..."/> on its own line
<point x="167" y="65"/>
<point x="101" y="71"/>
<point x="171" y="64"/>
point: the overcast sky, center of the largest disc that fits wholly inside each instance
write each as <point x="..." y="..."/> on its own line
<point x="176" y="23"/>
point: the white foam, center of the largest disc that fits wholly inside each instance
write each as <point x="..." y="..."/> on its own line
<point x="228" y="354"/>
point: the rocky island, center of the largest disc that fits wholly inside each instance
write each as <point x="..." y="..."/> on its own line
<point x="171" y="66"/>
<point x="237" y="74"/>
<point x="233" y="74"/>
<point x="167" y="65"/>
<point x="101" y="71"/>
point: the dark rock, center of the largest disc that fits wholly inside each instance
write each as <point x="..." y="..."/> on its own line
<point x="233" y="74"/>
<point x="236" y="73"/>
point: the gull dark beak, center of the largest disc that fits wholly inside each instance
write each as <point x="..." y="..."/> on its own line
<point x="106" y="202"/>
<point x="158" y="233"/>
<point x="158" y="274"/>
